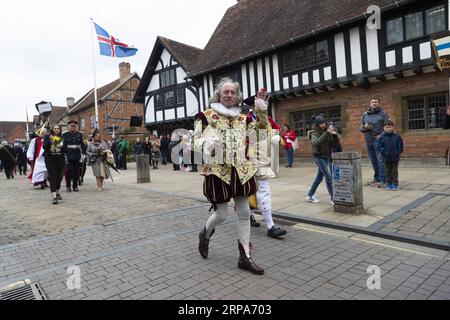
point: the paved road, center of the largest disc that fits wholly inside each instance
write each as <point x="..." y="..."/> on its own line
<point x="27" y="213"/>
<point x="154" y="256"/>
<point x="131" y="243"/>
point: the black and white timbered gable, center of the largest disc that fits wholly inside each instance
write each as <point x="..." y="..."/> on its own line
<point x="170" y="99"/>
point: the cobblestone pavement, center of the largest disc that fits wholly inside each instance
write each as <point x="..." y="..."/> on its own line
<point x="443" y="188"/>
<point x="26" y="213"/>
<point x="154" y="256"/>
<point x="430" y="219"/>
<point x="132" y="242"/>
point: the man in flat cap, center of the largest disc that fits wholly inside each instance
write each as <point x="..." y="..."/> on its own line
<point x="73" y="147"/>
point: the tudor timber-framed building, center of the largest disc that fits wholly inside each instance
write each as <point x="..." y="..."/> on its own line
<point x="171" y="100"/>
<point x="320" y="56"/>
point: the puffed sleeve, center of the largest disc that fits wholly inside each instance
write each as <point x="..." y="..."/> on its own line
<point x="199" y="124"/>
<point x="30" y="151"/>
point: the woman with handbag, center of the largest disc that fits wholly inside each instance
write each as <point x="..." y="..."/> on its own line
<point x="290" y="141"/>
<point x="54" y="161"/>
<point x="95" y="151"/>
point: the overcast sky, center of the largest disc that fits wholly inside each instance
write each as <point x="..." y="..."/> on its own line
<point x="46" y="51"/>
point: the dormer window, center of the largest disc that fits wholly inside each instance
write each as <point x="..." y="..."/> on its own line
<point x="168" y="78"/>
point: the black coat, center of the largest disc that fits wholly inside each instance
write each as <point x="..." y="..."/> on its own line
<point x="21" y="155"/>
<point x="446" y="123"/>
<point x="138" y="148"/>
<point x="73" y="139"/>
<point x="8" y="156"/>
<point x="165" y="146"/>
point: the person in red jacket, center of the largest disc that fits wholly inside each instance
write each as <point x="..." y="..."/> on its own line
<point x="289" y="136"/>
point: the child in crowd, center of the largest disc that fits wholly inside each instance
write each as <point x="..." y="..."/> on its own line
<point x="390" y="146"/>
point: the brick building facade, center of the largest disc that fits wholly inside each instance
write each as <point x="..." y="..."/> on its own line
<point x="13" y="131"/>
<point x="115" y="107"/>
<point x="352" y="102"/>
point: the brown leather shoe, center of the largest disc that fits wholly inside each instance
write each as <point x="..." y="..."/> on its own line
<point x="203" y="244"/>
<point x="247" y="263"/>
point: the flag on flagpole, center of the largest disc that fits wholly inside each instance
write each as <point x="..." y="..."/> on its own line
<point x="442" y="46"/>
<point x="111" y="46"/>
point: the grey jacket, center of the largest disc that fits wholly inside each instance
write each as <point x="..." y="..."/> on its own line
<point x="96" y="159"/>
<point x="376" y="119"/>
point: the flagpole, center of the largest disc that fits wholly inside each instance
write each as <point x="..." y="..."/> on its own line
<point x="28" y="132"/>
<point x="95" y="79"/>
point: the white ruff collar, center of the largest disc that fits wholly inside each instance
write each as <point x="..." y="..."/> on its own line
<point x="229" y="112"/>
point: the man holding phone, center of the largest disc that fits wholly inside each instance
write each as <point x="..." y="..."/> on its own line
<point x="372" y="123"/>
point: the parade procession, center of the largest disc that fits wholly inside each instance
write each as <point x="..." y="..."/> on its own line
<point x="277" y="150"/>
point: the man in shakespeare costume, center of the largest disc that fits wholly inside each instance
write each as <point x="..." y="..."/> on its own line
<point x="221" y="133"/>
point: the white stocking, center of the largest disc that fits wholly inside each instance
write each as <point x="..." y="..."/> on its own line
<point x="243" y="221"/>
<point x="218" y="217"/>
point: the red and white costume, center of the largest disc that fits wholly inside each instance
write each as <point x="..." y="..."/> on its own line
<point x="266" y="154"/>
<point x="35" y="154"/>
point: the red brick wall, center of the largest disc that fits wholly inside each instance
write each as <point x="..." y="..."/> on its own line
<point x="355" y="101"/>
<point x="124" y="110"/>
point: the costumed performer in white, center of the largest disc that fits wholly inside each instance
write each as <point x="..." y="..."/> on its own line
<point x="35" y="155"/>
<point x="264" y="153"/>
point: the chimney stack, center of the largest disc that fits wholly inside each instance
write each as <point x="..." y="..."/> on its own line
<point x="124" y="68"/>
<point x="70" y="101"/>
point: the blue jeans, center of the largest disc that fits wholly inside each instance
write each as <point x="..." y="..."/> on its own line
<point x="377" y="160"/>
<point x="290" y="156"/>
<point x="324" y="170"/>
